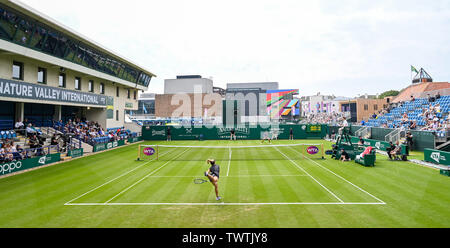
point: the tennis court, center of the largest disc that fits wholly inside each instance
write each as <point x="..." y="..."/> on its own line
<point x="255" y="174"/>
<point x="263" y="186"/>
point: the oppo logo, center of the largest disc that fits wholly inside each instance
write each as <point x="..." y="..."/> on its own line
<point x="10" y="167"/>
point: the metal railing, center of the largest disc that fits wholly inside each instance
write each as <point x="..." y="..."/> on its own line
<point x="363" y="132"/>
<point x="395" y="135"/>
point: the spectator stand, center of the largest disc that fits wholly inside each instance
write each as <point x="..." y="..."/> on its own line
<point x="21" y="154"/>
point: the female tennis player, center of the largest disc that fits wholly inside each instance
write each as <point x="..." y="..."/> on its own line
<point x="265" y="137"/>
<point x="213" y="174"/>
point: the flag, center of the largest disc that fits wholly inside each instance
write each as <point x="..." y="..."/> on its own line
<point x="143" y="107"/>
<point x="413" y="69"/>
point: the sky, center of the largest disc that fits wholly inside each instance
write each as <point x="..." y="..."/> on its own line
<point x="342" y="48"/>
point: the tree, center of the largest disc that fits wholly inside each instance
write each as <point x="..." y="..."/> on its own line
<point x="388" y="93"/>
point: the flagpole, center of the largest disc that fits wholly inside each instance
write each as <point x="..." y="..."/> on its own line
<point x="410" y="69"/>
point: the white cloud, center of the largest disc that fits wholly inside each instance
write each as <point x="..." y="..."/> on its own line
<point x="333" y="47"/>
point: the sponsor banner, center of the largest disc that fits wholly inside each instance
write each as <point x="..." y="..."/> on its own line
<point x="436" y="157"/>
<point x="134" y="139"/>
<point x="17" y="89"/>
<point x="240" y="132"/>
<point x="74" y="153"/>
<point x="247" y="132"/>
<point x="11" y="167"/>
<point x="313" y="128"/>
<point x="106" y="146"/>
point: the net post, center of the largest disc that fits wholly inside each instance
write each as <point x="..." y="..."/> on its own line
<point x="139" y="152"/>
<point x="323" y="151"/>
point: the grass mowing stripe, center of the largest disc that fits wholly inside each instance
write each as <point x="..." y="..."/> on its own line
<point x="67" y="203"/>
<point x="339" y="199"/>
<point x="376" y="198"/>
<point x="151" y="173"/>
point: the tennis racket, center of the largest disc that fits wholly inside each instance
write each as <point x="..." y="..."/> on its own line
<point x="199" y="181"/>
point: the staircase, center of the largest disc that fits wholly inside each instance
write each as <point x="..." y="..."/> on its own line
<point x="364" y="132"/>
<point x="396" y="135"/>
<point x="64" y="157"/>
<point x="87" y="148"/>
<point x="133" y="127"/>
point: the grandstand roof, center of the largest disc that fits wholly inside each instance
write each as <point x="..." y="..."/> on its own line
<point x="31" y="12"/>
<point x="419" y="90"/>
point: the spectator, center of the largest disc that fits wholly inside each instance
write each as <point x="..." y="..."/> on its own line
<point x="19" y="126"/>
<point x="413" y="125"/>
<point x="396" y="151"/>
<point x="54" y="140"/>
<point x="31" y="130"/>
<point x="361" y="141"/>
<point x="344" y="156"/>
<point x="390" y="149"/>
<point x="33" y="141"/>
<point x="409" y="139"/>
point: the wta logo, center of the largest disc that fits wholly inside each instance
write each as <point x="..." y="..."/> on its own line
<point x="312" y="150"/>
<point x="149" y="151"/>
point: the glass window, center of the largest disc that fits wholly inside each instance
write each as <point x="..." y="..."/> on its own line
<point x="134" y="94"/>
<point x="117" y="115"/>
<point x="23" y="32"/>
<point x="17" y="70"/>
<point x="102" y="88"/>
<point x="117" y="91"/>
<point x="29" y="32"/>
<point x="77" y="83"/>
<point x="128" y="93"/>
<point x="62" y="80"/>
<point x="42" y="75"/>
<point x="91" y="86"/>
<point x="366" y="107"/>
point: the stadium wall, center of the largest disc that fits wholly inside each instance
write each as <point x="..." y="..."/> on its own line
<point x="223" y="133"/>
<point x="116" y="106"/>
<point x="188" y="105"/>
<point x="421" y="139"/>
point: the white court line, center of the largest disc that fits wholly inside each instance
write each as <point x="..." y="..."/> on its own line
<point x="240" y="176"/>
<point x="229" y="161"/>
<point x="111" y="180"/>
<point x="344" y="179"/>
<point x="222" y="203"/>
<point x="329" y="191"/>
<point x="151" y="173"/>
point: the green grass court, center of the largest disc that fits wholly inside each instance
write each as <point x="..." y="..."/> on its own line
<point x="267" y="187"/>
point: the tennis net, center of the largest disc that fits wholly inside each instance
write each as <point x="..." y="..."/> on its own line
<point x="225" y="153"/>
